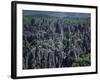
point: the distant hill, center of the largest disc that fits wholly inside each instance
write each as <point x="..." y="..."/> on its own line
<point x="55" y="14"/>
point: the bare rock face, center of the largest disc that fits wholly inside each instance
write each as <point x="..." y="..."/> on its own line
<point x="52" y="43"/>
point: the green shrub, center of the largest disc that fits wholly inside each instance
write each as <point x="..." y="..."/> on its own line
<point x="84" y="60"/>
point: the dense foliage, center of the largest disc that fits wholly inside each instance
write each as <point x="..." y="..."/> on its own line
<point x="51" y="42"/>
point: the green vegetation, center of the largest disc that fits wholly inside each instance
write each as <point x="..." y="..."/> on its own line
<point x="68" y="20"/>
<point x="76" y="20"/>
<point x="84" y="60"/>
<point x="27" y="20"/>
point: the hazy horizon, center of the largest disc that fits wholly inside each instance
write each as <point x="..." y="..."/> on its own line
<point x="57" y="14"/>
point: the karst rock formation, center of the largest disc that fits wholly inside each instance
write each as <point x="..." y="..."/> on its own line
<point x="50" y="42"/>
